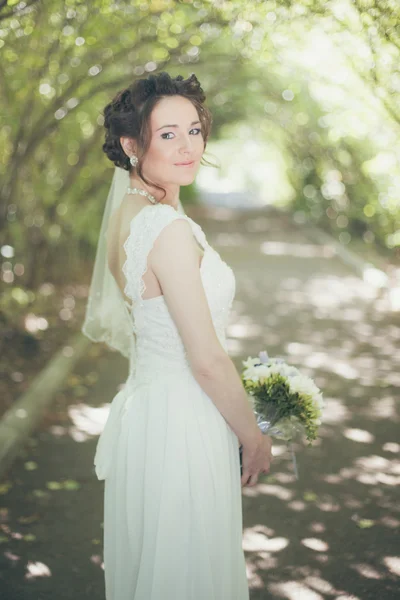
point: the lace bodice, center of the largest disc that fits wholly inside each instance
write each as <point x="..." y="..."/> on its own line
<point x="158" y="343"/>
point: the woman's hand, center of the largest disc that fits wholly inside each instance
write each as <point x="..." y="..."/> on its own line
<point x="256" y="460"/>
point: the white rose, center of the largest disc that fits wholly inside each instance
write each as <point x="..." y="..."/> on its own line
<point x="303" y="384"/>
<point x="262" y="371"/>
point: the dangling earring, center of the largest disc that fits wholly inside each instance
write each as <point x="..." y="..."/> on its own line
<point x="133" y="160"/>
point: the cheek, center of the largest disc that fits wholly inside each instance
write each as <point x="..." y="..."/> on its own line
<point x="160" y="150"/>
<point x="153" y="157"/>
<point x="200" y="141"/>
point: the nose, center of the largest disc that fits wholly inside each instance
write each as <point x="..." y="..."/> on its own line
<point x="186" y="144"/>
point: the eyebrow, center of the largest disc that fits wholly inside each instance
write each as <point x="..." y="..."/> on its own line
<point x="193" y="123"/>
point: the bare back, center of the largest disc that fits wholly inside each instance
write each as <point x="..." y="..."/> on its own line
<point x="118" y="232"/>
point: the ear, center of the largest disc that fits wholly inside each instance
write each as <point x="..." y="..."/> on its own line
<point x="128" y="145"/>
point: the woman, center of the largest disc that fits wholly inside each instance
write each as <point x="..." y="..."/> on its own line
<point x="169" y="452"/>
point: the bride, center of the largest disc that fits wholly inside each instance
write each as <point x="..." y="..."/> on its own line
<point x="161" y="295"/>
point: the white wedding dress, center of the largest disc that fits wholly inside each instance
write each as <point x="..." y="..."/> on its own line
<point x="173" y="503"/>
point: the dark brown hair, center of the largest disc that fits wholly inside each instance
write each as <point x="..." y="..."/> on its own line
<point x="128" y="115"/>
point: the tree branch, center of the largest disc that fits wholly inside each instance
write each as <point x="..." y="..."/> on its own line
<point x="14" y="11"/>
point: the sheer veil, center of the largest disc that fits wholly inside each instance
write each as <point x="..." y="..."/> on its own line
<point x="108" y="318"/>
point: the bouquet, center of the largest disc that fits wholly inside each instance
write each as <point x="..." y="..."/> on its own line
<point x="285" y="402"/>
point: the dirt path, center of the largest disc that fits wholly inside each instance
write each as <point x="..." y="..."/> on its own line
<point x="334" y="533"/>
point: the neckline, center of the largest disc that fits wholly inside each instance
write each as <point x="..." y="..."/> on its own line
<point x="152" y="206"/>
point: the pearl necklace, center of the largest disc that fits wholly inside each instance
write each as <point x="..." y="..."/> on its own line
<point x="142" y="193"/>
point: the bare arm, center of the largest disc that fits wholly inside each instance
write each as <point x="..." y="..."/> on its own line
<point x="175" y="262"/>
<point x="221" y="382"/>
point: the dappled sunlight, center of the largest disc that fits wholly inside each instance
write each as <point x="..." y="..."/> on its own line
<point x="378" y="463"/>
<point x="367" y="571"/>
<point x="334" y="291"/>
<point x="359" y="435"/>
<point x="283" y="477"/>
<point x="392" y="563"/>
<point x="390" y="522"/>
<point x="375" y="470"/>
<point x="328" y="506"/>
<point x="297" y="505"/>
<point x="298" y="349"/>
<point x="268" y="490"/>
<point x="315" y="544"/>
<point x="331" y="478"/>
<point x="254" y="580"/>
<point x="342" y="368"/>
<point x="391" y="447"/>
<point x="11" y="556"/>
<point x="35" y="570"/>
<point x="319" y="584"/>
<point x="335" y="411"/>
<point x="302" y="250"/>
<point x="257" y="540"/>
<point x="294" y="590"/>
<point x="363" y="474"/>
<point x="385" y="408"/>
<point x="245" y="330"/>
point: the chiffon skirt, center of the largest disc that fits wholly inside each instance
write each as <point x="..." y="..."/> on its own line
<point x="172" y="502"/>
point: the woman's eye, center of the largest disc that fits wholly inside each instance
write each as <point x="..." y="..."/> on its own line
<point x="170" y="133"/>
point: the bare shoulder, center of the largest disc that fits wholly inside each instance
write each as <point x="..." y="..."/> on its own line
<point x="175" y="236"/>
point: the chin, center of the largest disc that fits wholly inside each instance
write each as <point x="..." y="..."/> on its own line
<point x="186" y="180"/>
<point x="188" y="176"/>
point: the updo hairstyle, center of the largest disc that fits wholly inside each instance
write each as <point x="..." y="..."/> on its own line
<point x="128" y="115"/>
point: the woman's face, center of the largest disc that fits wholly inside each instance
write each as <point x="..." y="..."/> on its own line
<point x="175" y="138"/>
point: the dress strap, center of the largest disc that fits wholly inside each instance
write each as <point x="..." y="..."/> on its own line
<point x="198" y="233"/>
<point x="143" y="233"/>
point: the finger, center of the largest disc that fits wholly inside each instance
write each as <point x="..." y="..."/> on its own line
<point x="253" y="479"/>
<point x="245" y="478"/>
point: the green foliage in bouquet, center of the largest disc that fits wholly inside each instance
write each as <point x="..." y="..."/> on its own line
<point x="272" y="394"/>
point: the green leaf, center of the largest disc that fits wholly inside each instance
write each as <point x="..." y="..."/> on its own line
<point x="365" y="523"/>
<point x="5" y="487"/>
<point x="310" y="496"/>
<point x="54" y="485"/>
<point x="40" y="493"/>
<point x="70" y="484"/>
<point x="30" y="465"/>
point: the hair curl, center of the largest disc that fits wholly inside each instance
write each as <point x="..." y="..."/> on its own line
<point x="128" y="115"/>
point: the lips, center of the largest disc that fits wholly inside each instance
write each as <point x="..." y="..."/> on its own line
<point x="186" y="164"/>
